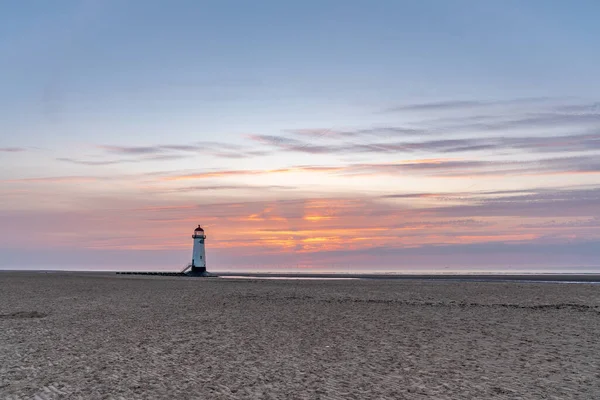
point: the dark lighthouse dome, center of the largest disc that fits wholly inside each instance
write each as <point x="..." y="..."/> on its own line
<point x="199" y="229"/>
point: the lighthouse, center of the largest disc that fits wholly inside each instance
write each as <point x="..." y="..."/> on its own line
<point x="198" y="252"/>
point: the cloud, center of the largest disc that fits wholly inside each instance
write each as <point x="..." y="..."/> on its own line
<point x="456" y="195"/>
<point x="433" y="167"/>
<point x="386" y="131"/>
<point x="540" y="120"/>
<point x="91" y="162"/>
<point x="451" y="105"/>
<point x="290" y="144"/>
<point x="565" y="143"/>
<point x="54" y="179"/>
<point x="158" y="149"/>
<point x="579" y="108"/>
<point x="582" y="121"/>
<point x="308" y="146"/>
<point x="546" y="144"/>
<point x="164" y="152"/>
<point x="315" y="132"/>
<point x="230" y="173"/>
<point x="200" y="188"/>
<point x="474" y="168"/>
<point x="547" y="195"/>
<point x="164" y="157"/>
<point x="566" y="224"/>
<point x="220" y="174"/>
<point x="437" y="168"/>
<point x="542" y="203"/>
<point x="239" y="154"/>
<point x="11" y="149"/>
<point x="565" y="128"/>
<point x="440" y="106"/>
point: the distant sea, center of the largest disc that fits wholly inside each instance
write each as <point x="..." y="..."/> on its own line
<point x="400" y="270"/>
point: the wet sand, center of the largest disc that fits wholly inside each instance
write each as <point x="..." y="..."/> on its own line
<point x="107" y="336"/>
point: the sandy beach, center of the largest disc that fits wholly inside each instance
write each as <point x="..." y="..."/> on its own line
<point x="108" y="336"/>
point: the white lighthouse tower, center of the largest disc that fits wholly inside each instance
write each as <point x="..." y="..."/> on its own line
<point x="198" y="253"/>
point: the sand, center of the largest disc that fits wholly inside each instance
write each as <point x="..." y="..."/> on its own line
<point x="106" y="336"/>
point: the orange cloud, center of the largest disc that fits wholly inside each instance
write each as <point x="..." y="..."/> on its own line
<point x="227" y="173"/>
<point x="317" y="218"/>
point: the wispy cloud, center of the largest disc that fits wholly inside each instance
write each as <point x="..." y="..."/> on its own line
<point x="219" y="174"/>
<point x="386" y="131"/>
<point x="249" y="172"/>
<point x="91" y="162"/>
<point x="433" y="167"/>
<point x="566" y="224"/>
<point x="216" y="149"/>
<point x="201" y="188"/>
<point x="546" y="128"/>
<point x="580" y="142"/>
<point x="456" y="195"/>
<point x="474" y="168"/>
<point x="54" y="179"/>
<point x="290" y="144"/>
<point x="496" y="132"/>
<point x="167" y="152"/>
<point x="579" y="108"/>
<point x="541" y="203"/>
<point x="540" y="121"/>
<point x="158" y="149"/>
<point x="11" y="149"/>
<point x="94" y="162"/>
<point x="239" y="154"/>
<point x="451" y="105"/>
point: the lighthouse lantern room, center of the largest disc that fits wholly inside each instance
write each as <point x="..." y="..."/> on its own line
<point x="198" y="253"/>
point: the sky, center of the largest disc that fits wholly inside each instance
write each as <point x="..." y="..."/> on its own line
<point x="348" y="135"/>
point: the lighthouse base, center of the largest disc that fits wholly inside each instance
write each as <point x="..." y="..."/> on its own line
<point x="199" y="271"/>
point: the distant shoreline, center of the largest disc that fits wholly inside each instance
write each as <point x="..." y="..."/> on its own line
<point x="475" y="277"/>
<point x="591" y="277"/>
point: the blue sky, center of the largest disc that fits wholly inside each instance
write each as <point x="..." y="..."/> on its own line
<point x="107" y="106"/>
